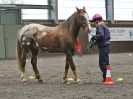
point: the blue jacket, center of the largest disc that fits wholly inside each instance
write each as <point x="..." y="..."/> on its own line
<point x="102" y="36"/>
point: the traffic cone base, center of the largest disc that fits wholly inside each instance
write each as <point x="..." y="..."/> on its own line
<point x="108" y="83"/>
<point x="108" y="80"/>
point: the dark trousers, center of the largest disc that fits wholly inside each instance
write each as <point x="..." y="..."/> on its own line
<point x="104" y="59"/>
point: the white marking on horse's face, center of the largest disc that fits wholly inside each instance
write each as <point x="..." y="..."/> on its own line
<point x="90" y="28"/>
<point x="87" y="18"/>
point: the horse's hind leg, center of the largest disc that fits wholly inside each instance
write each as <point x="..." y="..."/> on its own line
<point x="22" y="66"/>
<point x="34" y="63"/>
<point x="21" y="59"/>
<point x="66" y="69"/>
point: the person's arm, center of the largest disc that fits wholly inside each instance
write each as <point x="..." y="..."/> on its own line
<point x="99" y="33"/>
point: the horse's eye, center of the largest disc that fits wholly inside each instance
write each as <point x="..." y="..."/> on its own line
<point x="82" y="17"/>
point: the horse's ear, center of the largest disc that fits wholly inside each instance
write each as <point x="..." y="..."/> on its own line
<point x="84" y="8"/>
<point x="77" y="9"/>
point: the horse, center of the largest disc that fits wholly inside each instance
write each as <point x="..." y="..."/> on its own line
<point x="52" y="39"/>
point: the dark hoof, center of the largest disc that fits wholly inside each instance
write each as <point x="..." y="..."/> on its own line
<point x="65" y="79"/>
<point x="40" y="80"/>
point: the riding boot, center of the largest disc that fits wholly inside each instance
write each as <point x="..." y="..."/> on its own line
<point x="104" y="77"/>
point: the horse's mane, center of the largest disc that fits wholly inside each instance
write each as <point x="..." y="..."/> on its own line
<point x="71" y="25"/>
<point x="67" y="23"/>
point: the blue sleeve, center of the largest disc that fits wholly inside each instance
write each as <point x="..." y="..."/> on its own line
<point x="99" y="33"/>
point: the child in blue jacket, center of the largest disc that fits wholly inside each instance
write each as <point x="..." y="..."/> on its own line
<point x="102" y="39"/>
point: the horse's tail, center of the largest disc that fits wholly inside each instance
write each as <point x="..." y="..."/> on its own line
<point x="19" y="55"/>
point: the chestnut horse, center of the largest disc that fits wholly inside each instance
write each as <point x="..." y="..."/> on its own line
<point x="61" y="38"/>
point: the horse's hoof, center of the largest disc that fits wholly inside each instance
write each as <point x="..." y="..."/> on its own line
<point x="65" y="80"/>
<point x="40" y="80"/>
<point x="24" y="80"/>
<point x="78" y="80"/>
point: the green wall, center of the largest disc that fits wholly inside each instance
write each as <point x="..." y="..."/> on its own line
<point x="2" y="43"/>
<point x="8" y="36"/>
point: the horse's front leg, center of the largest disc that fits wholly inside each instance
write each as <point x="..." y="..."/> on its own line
<point x="66" y="69"/>
<point x="72" y="65"/>
<point x="34" y="63"/>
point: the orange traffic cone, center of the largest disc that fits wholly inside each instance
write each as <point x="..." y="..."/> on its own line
<point x="108" y="80"/>
<point x="78" y="48"/>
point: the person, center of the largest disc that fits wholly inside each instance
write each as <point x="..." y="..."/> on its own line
<point x="102" y="39"/>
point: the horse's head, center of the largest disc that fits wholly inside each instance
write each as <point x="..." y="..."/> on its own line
<point x="83" y="19"/>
